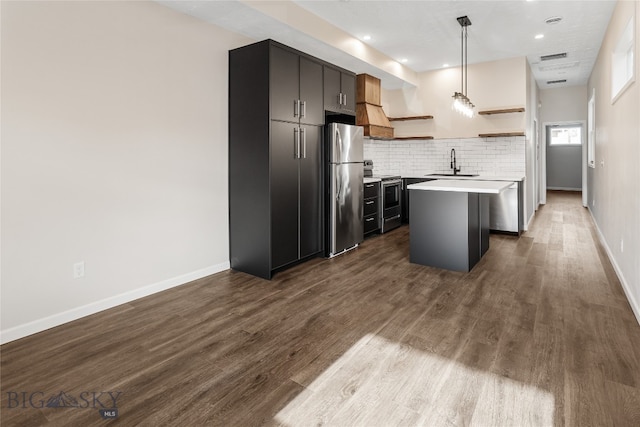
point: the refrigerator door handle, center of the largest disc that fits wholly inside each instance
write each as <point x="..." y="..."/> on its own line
<point x="304" y="142"/>
<point x="339" y="141"/>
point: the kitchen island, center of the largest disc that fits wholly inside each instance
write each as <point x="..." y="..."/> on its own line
<point x="450" y="222"/>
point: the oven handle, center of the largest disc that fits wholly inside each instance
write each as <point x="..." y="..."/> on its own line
<point x="392" y="182"/>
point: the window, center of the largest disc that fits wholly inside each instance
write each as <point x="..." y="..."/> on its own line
<point x="565" y="135"/>
<point x="622" y="62"/>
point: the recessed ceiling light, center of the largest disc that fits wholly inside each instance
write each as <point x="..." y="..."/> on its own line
<point x="445" y="65"/>
<point x="539" y="36"/>
<point x="404" y="60"/>
<point x="367" y="37"/>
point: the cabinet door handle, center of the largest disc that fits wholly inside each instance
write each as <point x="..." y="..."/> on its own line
<point x="344" y="99"/>
<point x="370" y="219"/>
<point x="303" y="131"/>
<point x="370" y="202"/>
<point x="340" y="98"/>
<point x="369" y="185"/>
<point x="303" y="110"/>
<point x="296" y="143"/>
<point x="296" y="108"/>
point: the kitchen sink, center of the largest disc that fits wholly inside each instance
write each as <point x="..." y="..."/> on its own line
<point x="450" y="174"/>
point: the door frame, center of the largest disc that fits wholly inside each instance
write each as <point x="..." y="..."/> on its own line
<point x="543" y="158"/>
<point x="537" y="166"/>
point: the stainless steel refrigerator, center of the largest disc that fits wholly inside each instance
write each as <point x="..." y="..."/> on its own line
<point x="345" y="173"/>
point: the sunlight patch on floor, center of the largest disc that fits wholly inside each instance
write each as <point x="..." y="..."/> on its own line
<point x="381" y="382"/>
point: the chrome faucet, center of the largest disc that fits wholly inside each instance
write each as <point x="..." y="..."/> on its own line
<point x="453" y="161"/>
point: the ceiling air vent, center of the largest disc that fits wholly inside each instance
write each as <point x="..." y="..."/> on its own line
<point x="554" y="56"/>
<point x="553" y="82"/>
<point x="553" y="20"/>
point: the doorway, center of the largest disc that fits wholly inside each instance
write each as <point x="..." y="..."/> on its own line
<point x="563" y="156"/>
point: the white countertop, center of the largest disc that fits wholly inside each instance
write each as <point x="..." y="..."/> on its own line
<point x="464" y="186"/>
<point x="368" y="179"/>
<point x="470" y="178"/>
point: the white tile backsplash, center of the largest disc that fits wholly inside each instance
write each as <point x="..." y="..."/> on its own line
<point x="484" y="156"/>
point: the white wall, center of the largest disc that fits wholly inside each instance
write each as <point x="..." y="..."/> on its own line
<point x="114" y="152"/>
<point x="492" y="85"/>
<point x="614" y="184"/>
<point x="566" y="104"/>
<point x="564" y="164"/>
<point x="531" y="147"/>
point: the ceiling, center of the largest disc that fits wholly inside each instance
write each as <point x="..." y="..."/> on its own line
<point x="427" y="35"/>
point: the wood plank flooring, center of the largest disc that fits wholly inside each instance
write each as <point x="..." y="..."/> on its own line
<point x="538" y="333"/>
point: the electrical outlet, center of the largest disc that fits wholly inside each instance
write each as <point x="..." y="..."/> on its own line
<point x="78" y="270"/>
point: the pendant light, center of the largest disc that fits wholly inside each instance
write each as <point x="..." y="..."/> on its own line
<point x="461" y="103"/>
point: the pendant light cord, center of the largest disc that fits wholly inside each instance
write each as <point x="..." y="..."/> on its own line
<point x="461" y="101"/>
<point x="462" y="60"/>
<point x="466" y="61"/>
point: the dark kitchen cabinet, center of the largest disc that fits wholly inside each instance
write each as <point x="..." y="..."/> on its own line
<point x="310" y="205"/>
<point x="284" y="193"/>
<point x="296" y="85"/>
<point x="295" y="187"/>
<point x="339" y="90"/>
<point x="405" y="195"/>
<point x="371" y="208"/>
<point x="276" y="113"/>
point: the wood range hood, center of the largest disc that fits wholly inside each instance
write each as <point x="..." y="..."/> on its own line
<point x="369" y="113"/>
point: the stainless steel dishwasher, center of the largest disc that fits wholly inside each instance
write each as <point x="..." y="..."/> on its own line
<point x="504" y="210"/>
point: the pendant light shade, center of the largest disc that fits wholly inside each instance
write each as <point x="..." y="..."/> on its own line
<point x="461" y="102"/>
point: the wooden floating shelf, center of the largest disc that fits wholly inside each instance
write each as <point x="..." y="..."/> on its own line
<point x="502" y="111"/>
<point x="402" y="138"/>
<point x="499" y="134"/>
<point x="402" y="119"/>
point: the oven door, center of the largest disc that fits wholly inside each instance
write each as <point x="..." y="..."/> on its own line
<point x="391" y="191"/>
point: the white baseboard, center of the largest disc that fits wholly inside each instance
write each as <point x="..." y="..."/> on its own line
<point x="625" y="286"/>
<point x="564" y="188"/>
<point x="48" y="322"/>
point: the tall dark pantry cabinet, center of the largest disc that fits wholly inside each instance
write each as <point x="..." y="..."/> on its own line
<point x="276" y="114"/>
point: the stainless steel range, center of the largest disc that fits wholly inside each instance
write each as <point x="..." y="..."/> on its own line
<point x="391" y="202"/>
<point x="390" y="198"/>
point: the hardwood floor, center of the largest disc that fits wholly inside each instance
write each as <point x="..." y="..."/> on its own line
<point x="538" y="333"/>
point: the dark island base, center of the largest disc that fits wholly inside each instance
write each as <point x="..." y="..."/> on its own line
<point x="449" y="229"/>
